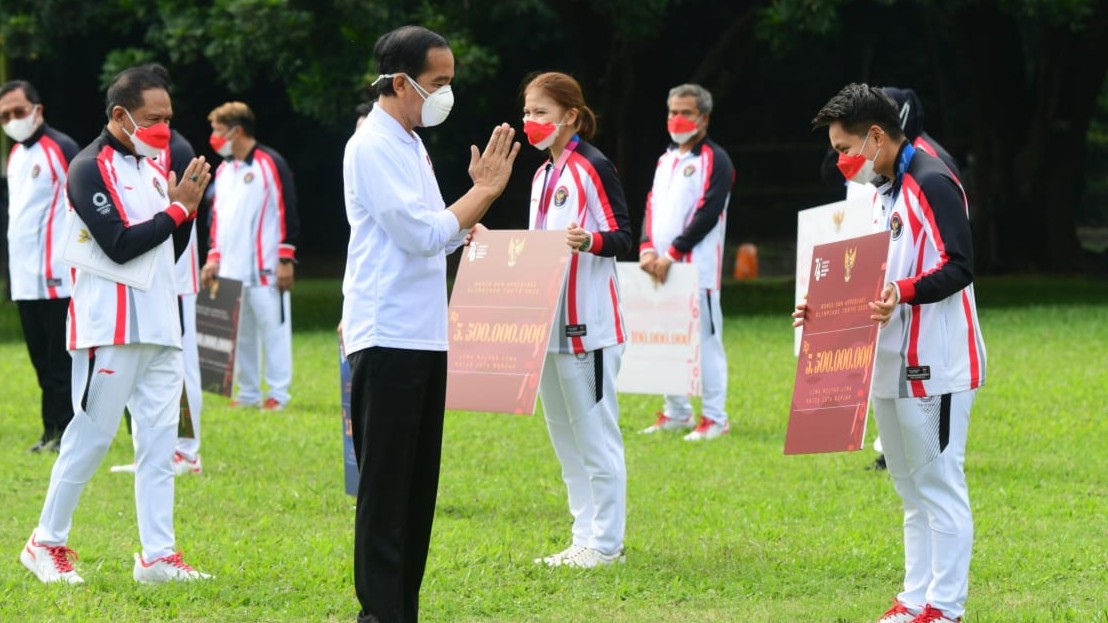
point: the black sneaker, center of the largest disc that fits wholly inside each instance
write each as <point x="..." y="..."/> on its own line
<point x="879" y="464"/>
<point x="50" y="442"/>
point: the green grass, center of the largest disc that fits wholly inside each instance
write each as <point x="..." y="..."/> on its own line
<point x="725" y="531"/>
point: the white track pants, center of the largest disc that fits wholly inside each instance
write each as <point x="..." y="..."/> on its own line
<point x="265" y="325"/>
<point x="146" y="379"/>
<point x="713" y="365"/>
<point x="582" y="414"/>
<point x="925" y="449"/>
<point x="190" y="447"/>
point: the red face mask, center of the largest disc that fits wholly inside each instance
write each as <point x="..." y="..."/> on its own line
<point x="539" y="133"/>
<point x="679" y="124"/>
<point x="156" y="136"/>
<point x="681" y="128"/>
<point x="217" y="142"/>
<point x="148" y="141"/>
<point x="852" y="166"/>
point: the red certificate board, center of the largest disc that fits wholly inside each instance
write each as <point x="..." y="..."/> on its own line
<point x="835" y="368"/>
<point x="505" y="299"/>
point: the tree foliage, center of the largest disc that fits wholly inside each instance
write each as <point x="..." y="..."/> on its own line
<point x="319" y="53"/>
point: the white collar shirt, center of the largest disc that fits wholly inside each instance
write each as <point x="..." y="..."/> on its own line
<point x="394" y="289"/>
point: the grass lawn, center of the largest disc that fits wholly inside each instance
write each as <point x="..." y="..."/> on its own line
<point x="730" y="530"/>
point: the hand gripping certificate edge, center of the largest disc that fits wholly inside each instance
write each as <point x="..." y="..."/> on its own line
<point x="79" y="253"/>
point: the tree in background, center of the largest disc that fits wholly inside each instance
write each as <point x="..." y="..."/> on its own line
<point x="1010" y="86"/>
<point x="1035" y="68"/>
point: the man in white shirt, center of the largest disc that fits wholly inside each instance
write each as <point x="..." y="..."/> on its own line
<point x="394" y="311"/>
<point x="40" y="281"/>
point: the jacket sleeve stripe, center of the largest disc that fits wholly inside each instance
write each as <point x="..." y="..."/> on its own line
<point x="602" y="195"/>
<point x="271" y="174"/>
<point x="615" y="310"/>
<point x="107" y="174"/>
<point x="971" y="338"/>
<point x="259" y="253"/>
<point x="56" y="161"/>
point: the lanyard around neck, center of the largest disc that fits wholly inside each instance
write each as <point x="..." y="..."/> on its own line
<point x="552" y="181"/>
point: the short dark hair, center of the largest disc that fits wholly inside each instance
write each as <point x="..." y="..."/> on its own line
<point x="127" y="88"/>
<point x="159" y="70"/>
<point x="857" y="107"/>
<point x="28" y="89"/>
<point x="404" y="51"/>
<point x="363" y="109"/>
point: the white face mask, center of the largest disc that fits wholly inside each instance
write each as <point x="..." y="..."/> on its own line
<point x="436" y="106"/>
<point x="866" y="174"/>
<point x="20" y="130"/>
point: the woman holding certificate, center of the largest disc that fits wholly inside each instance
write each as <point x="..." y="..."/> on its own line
<point x="577" y="190"/>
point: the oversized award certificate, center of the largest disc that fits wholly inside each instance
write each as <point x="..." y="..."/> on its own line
<point x="829" y="223"/>
<point x="663" y="324"/>
<point x="835" y="368"/>
<point x="81" y="251"/>
<point x="217" y="330"/>
<point x="505" y="299"/>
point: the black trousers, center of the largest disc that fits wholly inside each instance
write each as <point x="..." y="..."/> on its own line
<point x="44" y="330"/>
<point x="397" y="400"/>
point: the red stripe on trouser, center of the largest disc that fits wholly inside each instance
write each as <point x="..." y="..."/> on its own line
<point x="120" y="314"/>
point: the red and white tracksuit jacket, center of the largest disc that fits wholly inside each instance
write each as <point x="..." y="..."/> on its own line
<point x="254" y="218"/>
<point x="123" y="200"/>
<point x="588" y="193"/>
<point x="686" y="210"/>
<point x="37" y="170"/>
<point x="932" y="344"/>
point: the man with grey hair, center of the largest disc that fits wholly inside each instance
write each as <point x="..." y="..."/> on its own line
<point x="686" y="221"/>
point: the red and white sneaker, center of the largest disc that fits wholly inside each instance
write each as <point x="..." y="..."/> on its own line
<point x="933" y="615"/>
<point x="169" y="568"/>
<point x="50" y="563"/>
<point x="236" y="404"/>
<point x="899" y="613"/>
<point x="708" y="429"/>
<point x="664" y="422"/>
<point x="182" y="465"/>
<point x="272" y="404"/>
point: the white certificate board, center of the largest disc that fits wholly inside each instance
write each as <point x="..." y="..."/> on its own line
<point x="663" y="327"/>
<point x="80" y="250"/>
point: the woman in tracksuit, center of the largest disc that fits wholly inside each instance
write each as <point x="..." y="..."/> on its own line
<point x="577" y="190"/>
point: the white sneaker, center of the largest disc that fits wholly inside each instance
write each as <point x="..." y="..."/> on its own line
<point x="588" y="558"/>
<point x="708" y="429"/>
<point x="664" y="422"/>
<point x="555" y="560"/>
<point x="182" y="465"/>
<point x="50" y="563"/>
<point x="166" y="569"/>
